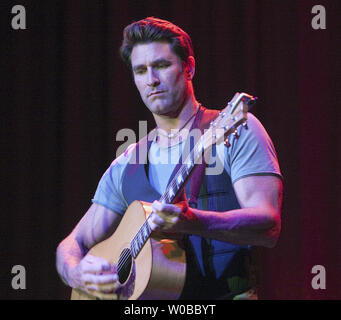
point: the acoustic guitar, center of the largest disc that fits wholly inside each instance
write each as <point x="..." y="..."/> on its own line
<point x="151" y="265"/>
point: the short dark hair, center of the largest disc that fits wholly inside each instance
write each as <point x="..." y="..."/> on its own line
<point x="154" y="29"/>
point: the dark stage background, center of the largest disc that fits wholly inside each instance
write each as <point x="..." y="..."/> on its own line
<point x="65" y="94"/>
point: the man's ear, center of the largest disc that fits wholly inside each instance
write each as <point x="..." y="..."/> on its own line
<point x="190" y="68"/>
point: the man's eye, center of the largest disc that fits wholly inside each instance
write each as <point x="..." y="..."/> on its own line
<point x="162" y="65"/>
<point x="140" y="71"/>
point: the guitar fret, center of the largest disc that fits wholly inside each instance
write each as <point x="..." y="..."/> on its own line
<point x="145" y="231"/>
<point x="189" y="167"/>
<point x="140" y="239"/>
<point x="133" y="249"/>
<point x="143" y="234"/>
<point x="149" y="230"/>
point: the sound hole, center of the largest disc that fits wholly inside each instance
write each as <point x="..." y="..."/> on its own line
<point x="124" y="265"/>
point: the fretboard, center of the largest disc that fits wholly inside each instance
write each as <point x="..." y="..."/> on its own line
<point x="140" y="239"/>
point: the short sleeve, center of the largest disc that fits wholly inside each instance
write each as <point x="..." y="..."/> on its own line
<point x="252" y="153"/>
<point x="109" y="190"/>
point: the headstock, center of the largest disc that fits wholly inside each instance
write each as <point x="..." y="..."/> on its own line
<point x="229" y="119"/>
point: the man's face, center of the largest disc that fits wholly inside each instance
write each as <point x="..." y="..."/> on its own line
<point x="160" y="78"/>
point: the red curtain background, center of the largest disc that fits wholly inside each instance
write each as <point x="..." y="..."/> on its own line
<point x="65" y="94"/>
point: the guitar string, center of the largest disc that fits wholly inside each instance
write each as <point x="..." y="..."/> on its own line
<point x="126" y="257"/>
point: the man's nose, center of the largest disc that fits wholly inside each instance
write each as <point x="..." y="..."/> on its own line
<point x="153" y="79"/>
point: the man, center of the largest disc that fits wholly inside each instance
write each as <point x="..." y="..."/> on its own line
<point x="235" y="210"/>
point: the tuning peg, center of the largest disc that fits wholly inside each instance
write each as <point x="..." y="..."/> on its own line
<point x="227" y="142"/>
<point x="245" y="125"/>
<point x="235" y="133"/>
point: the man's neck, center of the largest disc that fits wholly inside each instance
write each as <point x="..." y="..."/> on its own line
<point x="176" y="121"/>
<point x="176" y="125"/>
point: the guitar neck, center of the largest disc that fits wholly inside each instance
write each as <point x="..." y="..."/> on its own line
<point x="183" y="174"/>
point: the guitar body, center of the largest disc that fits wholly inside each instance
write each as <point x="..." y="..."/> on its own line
<point x="157" y="273"/>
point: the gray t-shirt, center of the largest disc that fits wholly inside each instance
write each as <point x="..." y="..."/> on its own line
<point x="252" y="153"/>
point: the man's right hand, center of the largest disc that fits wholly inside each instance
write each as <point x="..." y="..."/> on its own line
<point x="95" y="276"/>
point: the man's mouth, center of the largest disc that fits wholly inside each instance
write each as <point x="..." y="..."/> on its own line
<point x="155" y="93"/>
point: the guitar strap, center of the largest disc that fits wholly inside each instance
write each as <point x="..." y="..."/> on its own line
<point x="202" y="121"/>
<point x="206" y="118"/>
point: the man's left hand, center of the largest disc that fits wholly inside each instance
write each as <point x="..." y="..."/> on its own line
<point x="168" y="217"/>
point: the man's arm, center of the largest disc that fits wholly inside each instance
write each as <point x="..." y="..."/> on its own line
<point x="258" y="222"/>
<point x="87" y="273"/>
